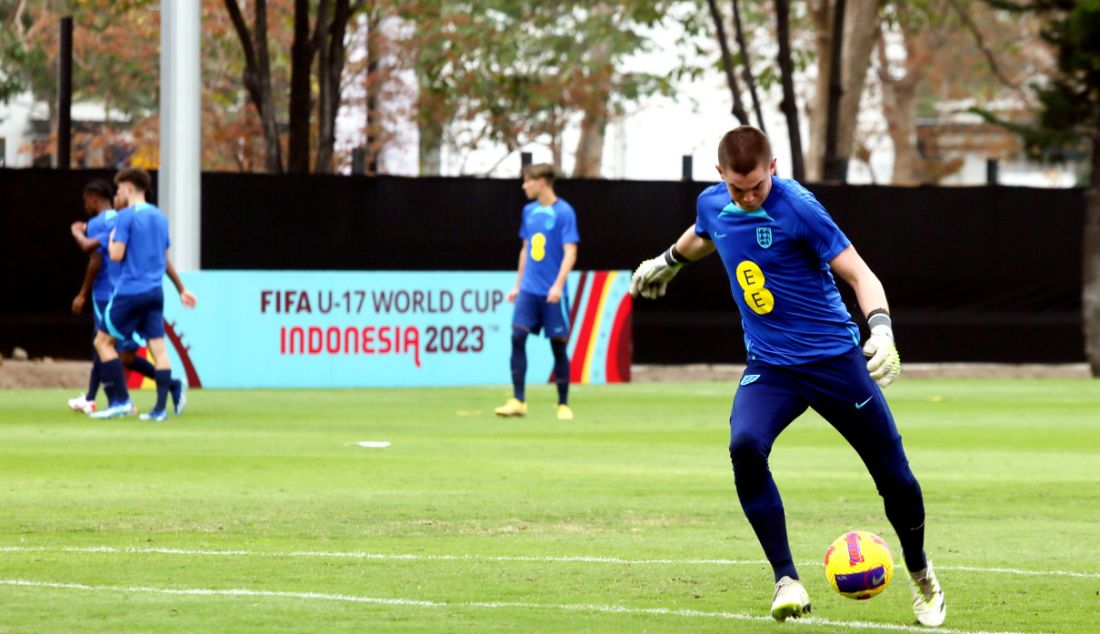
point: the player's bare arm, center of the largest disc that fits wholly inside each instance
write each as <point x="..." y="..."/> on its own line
<point x="187" y="298"/>
<point x="568" y="260"/>
<point x="883" y="360"/>
<point x="95" y="263"/>
<point x="652" y="276"/>
<point x="512" y="294"/>
<point x="85" y="243"/>
<point x="692" y="246"/>
<point x="869" y="290"/>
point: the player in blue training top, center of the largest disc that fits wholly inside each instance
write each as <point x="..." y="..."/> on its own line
<point x="780" y="249"/>
<point x="549" y="233"/>
<point x="140" y="243"/>
<point x="99" y="283"/>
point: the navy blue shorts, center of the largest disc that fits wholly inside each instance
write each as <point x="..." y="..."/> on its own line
<point x="141" y="314"/>
<point x="838" y="388"/>
<point x="99" y="309"/>
<point x="533" y="313"/>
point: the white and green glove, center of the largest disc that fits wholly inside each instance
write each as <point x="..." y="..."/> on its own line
<point x="651" y="278"/>
<point x="883" y="360"/>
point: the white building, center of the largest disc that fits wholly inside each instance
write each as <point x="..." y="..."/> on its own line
<point x="25" y="132"/>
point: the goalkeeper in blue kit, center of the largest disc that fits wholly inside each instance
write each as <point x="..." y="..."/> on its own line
<point x="780" y="249"/>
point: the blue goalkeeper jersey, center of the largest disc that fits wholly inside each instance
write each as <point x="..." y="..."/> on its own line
<point x="144" y="231"/>
<point x="777" y="260"/>
<point x="99" y="228"/>
<point x="547" y="230"/>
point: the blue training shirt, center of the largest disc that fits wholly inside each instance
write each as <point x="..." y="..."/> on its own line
<point x="144" y="231"/>
<point x="777" y="260"/>
<point x="547" y="230"/>
<point x="99" y="228"/>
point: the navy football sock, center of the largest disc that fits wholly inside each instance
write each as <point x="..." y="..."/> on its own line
<point x="93" y="377"/>
<point x="519" y="362"/>
<point x="143" y="367"/>
<point x="905" y="510"/>
<point x="164" y="382"/>
<point x="561" y="370"/>
<point x="114" y="382"/>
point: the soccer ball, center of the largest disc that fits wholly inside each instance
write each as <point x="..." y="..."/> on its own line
<point x="859" y="565"/>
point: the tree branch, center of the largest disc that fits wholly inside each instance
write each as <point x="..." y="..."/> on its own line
<point x="980" y="41"/>
<point x="727" y="64"/>
<point x="16" y="21"/>
<point x="747" y="65"/>
<point x="251" y="72"/>
<point x="789" y="105"/>
<point x="321" y="27"/>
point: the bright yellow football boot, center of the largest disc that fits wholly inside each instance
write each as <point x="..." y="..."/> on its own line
<point x="514" y="407"/>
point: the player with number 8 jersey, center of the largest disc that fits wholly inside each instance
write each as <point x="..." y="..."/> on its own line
<point x="548" y="229"/>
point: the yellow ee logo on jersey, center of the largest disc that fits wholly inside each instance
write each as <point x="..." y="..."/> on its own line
<point x="538" y="247"/>
<point x="751" y="280"/>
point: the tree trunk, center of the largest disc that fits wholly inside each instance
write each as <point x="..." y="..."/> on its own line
<point x="861" y="20"/>
<point x="557" y="150"/>
<point x="789" y="105"/>
<point x="301" y="69"/>
<point x="588" y="159"/>
<point x="589" y="156"/>
<point x="899" y="108"/>
<point x="330" y="69"/>
<point x="273" y="145"/>
<point x="257" y="78"/>
<point x="1090" y="292"/>
<point x="746" y="62"/>
<point x="899" y="105"/>
<point x="372" y="88"/>
<point x="861" y="25"/>
<point x="434" y="110"/>
<point x="899" y="100"/>
<point x="328" y="91"/>
<point x="727" y="63"/>
<point x="818" y="107"/>
<point x="830" y="163"/>
<point x="431" y="147"/>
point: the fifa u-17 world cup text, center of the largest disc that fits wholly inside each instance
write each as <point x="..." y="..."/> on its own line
<point x="384" y="336"/>
<point x="358" y="301"/>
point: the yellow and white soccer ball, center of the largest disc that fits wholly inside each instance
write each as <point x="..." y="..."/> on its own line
<point x="859" y="565"/>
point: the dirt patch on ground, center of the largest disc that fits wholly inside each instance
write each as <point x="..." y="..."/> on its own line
<point x="44" y="373"/>
<point x="48" y="373"/>
<point x="732" y="372"/>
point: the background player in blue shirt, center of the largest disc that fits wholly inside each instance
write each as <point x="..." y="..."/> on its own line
<point x="549" y="233"/>
<point x="780" y="249"/>
<point x="99" y="284"/>
<point x="140" y="243"/>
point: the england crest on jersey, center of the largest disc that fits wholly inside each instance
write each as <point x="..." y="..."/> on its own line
<point x="764" y="237"/>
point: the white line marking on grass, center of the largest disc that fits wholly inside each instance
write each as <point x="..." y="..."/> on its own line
<point x="504" y="558"/>
<point x="420" y="603"/>
<point x="1015" y="571"/>
<point x="380" y="556"/>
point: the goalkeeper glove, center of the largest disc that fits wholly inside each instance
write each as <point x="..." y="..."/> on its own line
<point x="651" y="278"/>
<point x="883" y="360"/>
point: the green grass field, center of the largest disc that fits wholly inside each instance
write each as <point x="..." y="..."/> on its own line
<point x="259" y="511"/>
